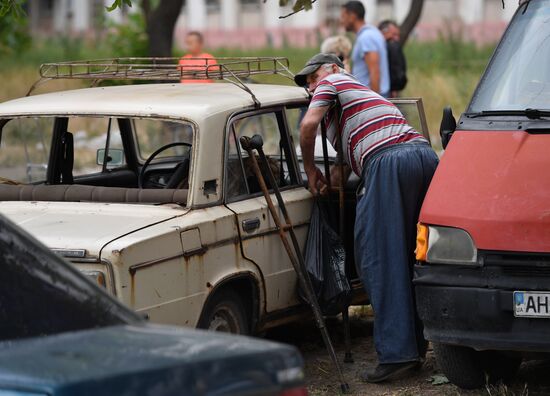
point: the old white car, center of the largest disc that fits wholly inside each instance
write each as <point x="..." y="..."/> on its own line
<point x="146" y="190"/>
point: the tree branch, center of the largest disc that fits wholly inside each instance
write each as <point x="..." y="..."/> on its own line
<point x="146" y="7"/>
<point x="160" y="25"/>
<point x="304" y="7"/>
<point x="411" y="20"/>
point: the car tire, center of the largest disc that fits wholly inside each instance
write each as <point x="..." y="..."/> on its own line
<point x="225" y="312"/>
<point x="500" y="367"/>
<point x="461" y="365"/>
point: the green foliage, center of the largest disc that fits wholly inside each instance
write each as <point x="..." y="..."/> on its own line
<point x="128" y="39"/>
<point x="14" y="37"/>
<point x="118" y="4"/>
<point x="298" y="4"/>
<point x="12" y="6"/>
<point x="448" y="53"/>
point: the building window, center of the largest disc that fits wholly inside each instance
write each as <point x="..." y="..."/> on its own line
<point x="213" y="6"/>
<point x="251" y="5"/>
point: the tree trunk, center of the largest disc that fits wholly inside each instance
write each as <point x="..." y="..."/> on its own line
<point x="411" y="20"/>
<point x="161" y="22"/>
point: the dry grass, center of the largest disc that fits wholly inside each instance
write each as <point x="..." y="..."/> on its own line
<point x="434" y="74"/>
<point x="439" y="89"/>
<point x="16" y="82"/>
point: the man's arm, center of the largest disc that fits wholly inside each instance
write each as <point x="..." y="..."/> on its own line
<point x="372" y="59"/>
<point x="308" y="133"/>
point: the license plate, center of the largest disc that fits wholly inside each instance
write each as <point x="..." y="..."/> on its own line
<point x="532" y="304"/>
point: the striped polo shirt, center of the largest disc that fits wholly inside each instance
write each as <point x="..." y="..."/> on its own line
<point x="365" y="120"/>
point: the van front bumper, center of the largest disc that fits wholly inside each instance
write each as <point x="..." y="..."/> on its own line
<point x="474" y="307"/>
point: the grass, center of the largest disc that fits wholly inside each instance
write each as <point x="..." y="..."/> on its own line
<point x="441" y="73"/>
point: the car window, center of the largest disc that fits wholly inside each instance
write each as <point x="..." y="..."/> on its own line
<point x="151" y="134"/>
<point x="294" y="116"/>
<point x="24" y="149"/>
<point x="240" y="177"/>
<point x="90" y="135"/>
<point x="412" y="109"/>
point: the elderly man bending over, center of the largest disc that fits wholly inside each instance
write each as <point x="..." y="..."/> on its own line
<point x="396" y="164"/>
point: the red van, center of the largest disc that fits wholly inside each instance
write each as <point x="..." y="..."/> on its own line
<point x="483" y="246"/>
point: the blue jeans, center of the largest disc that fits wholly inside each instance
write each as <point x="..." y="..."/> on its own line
<point x="394" y="182"/>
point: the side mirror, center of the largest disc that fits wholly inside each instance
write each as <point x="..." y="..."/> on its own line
<point x="448" y="126"/>
<point x="114" y="158"/>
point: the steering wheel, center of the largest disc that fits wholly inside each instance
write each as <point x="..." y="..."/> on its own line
<point x="157" y="152"/>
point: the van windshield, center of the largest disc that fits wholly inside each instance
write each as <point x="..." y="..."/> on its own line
<point x="518" y="76"/>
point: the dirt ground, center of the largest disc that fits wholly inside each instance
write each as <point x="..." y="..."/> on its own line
<point x="533" y="377"/>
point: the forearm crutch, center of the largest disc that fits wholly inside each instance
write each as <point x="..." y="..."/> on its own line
<point x="296" y="257"/>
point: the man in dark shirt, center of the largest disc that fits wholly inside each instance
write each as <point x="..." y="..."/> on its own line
<point x="396" y="58"/>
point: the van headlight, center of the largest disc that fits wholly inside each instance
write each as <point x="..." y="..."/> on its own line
<point x="445" y="245"/>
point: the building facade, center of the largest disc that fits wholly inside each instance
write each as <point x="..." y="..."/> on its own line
<point x="255" y="23"/>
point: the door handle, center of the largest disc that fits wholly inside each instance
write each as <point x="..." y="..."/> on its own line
<point x="250" y="225"/>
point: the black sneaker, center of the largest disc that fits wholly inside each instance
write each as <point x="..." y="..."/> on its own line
<point x="383" y="372"/>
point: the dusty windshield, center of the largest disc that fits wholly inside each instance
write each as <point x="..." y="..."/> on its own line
<point x="518" y="76"/>
<point x="95" y="151"/>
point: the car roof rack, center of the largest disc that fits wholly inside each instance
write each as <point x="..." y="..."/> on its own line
<point x="234" y="70"/>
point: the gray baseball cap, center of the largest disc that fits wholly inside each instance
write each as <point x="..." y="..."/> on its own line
<point x="313" y="64"/>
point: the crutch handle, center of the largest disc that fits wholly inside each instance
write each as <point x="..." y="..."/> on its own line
<point x="254" y="143"/>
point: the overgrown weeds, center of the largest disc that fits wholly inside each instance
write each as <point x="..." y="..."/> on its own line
<point x="441" y="73"/>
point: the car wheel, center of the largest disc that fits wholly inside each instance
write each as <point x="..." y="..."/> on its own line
<point x="461" y="365"/>
<point x="500" y="367"/>
<point x="225" y="312"/>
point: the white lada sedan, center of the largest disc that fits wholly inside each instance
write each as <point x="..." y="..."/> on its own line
<point x="145" y="188"/>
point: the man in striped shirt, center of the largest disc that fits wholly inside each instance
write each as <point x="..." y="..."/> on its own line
<point x="395" y="164"/>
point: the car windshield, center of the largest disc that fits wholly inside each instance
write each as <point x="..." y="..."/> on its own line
<point x="518" y="76"/>
<point x="95" y="151"/>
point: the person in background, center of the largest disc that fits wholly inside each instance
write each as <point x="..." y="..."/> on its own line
<point x="339" y="46"/>
<point x="395" y="164"/>
<point x="369" y="56"/>
<point x="195" y="59"/>
<point x="396" y="58"/>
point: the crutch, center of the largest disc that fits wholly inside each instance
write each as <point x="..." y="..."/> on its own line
<point x="296" y="258"/>
<point x="348" y="358"/>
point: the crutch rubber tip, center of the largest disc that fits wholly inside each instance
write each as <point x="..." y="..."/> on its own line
<point x="344" y="388"/>
<point x="245" y="143"/>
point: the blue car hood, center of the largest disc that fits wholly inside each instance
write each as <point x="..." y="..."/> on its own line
<point x="147" y="360"/>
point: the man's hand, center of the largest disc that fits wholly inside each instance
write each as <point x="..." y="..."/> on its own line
<point x="336" y="177"/>
<point x="316" y="181"/>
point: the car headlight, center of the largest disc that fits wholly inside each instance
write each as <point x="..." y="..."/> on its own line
<point x="96" y="277"/>
<point x="446" y="245"/>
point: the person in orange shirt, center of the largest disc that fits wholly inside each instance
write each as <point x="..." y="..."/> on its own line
<point x="195" y="59"/>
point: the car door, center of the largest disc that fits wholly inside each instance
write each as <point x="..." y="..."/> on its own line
<point x="413" y="111"/>
<point x="259" y="236"/>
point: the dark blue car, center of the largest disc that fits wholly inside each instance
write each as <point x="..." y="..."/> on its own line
<point x="61" y="335"/>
